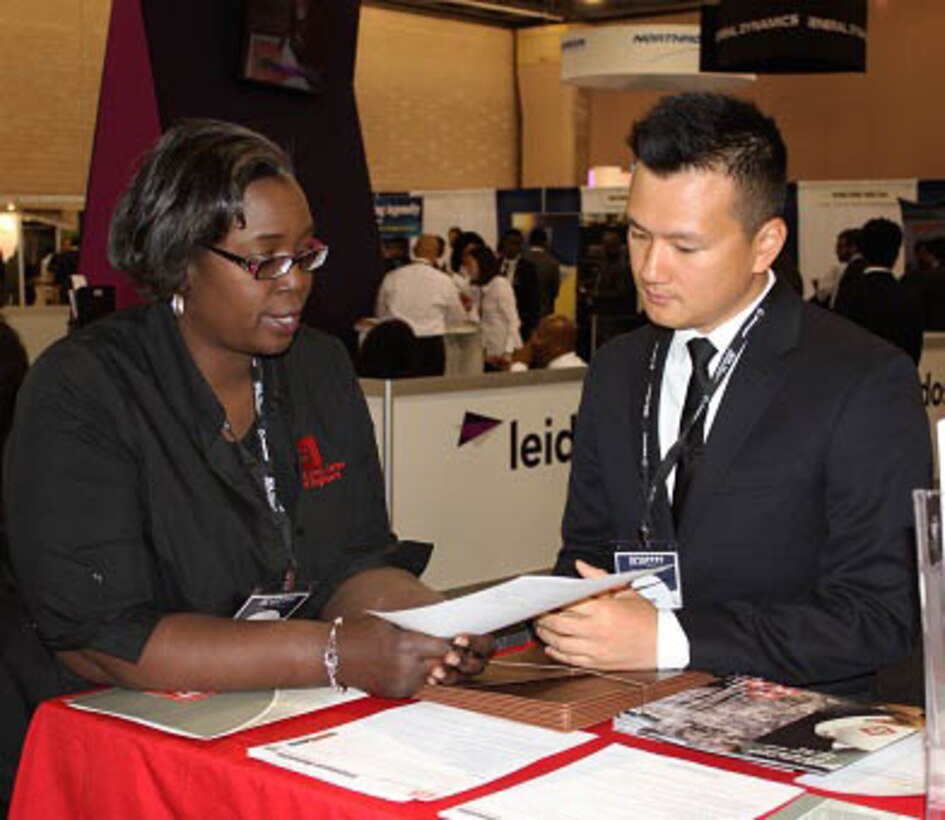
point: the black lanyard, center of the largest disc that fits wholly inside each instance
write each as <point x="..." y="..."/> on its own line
<point x="263" y="473"/>
<point x="664" y="468"/>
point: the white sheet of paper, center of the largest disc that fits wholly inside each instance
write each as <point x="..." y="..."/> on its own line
<point x="423" y="751"/>
<point x="897" y="770"/>
<point x="503" y="604"/>
<point x="619" y="782"/>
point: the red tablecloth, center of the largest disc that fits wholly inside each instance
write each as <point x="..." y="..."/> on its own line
<point x="81" y="765"/>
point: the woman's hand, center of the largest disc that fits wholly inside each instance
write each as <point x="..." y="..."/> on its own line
<point x="380" y="658"/>
<point x="390" y="662"/>
<point x="467" y="657"/>
<point x="384" y="660"/>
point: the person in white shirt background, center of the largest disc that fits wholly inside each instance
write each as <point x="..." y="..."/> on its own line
<point x="523" y="277"/>
<point x="495" y="300"/>
<point x="551" y="346"/>
<point x="426" y="299"/>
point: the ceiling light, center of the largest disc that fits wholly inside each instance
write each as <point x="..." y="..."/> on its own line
<point x="516" y="11"/>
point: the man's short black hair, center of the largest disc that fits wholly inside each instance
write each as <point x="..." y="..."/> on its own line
<point x="187" y="194"/>
<point x="538" y="236"/>
<point x="851" y="236"/>
<point x="487" y="263"/>
<point x="880" y="240"/>
<point x="714" y="132"/>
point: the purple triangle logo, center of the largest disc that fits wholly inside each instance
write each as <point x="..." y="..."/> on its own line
<point x="474" y="426"/>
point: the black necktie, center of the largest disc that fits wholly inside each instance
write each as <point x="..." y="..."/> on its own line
<point x="701" y="352"/>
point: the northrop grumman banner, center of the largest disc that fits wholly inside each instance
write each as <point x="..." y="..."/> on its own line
<point x="784" y="36"/>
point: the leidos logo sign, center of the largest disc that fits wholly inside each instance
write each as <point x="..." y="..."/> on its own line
<point x="527" y="449"/>
<point x="933" y="393"/>
<point x="474" y="426"/>
<point x="548" y="447"/>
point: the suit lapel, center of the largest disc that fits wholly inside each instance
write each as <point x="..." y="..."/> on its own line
<point x="752" y="387"/>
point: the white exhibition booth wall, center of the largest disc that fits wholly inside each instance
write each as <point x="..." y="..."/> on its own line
<point x="826" y="208"/>
<point x="932" y="380"/>
<point x="479" y="467"/>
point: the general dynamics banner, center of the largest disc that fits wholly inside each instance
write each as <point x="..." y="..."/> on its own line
<point x="784" y="36"/>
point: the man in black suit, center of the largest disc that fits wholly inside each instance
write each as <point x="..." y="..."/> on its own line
<point x="850" y="255"/>
<point x="875" y="299"/>
<point x="524" y="280"/>
<point x="925" y="283"/>
<point x="548" y="269"/>
<point x="789" y="504"/>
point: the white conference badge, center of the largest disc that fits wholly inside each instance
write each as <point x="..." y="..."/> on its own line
<point x="663" y="587"/>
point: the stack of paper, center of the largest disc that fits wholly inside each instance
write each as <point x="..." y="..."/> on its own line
<point x="422" y="751"/>
<point x="525" y="686"/>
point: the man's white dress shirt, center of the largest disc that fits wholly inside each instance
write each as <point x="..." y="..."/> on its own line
<point x="672" y="645"/>
<point x="423" y="296"/>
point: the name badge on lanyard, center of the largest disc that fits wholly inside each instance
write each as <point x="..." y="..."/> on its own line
<point x="663" y="587"/>
<point x="277" y="606"/>
<point x="278" y="602"/>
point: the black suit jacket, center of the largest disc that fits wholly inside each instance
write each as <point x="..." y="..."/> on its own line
<point x="926" y="287"/>
<point x="877" y="301"/>
<point x="527" y="296"/>
<point x="548" y="271"/>
<point x="796" y="541"/>
<point x="854" y="268"/>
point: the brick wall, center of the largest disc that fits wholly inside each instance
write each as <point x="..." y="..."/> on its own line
<point x="436" y="100"/>
<point x="51" y="54"/>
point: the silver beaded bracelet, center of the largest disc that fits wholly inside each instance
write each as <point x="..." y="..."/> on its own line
<point x="330" y="656"/>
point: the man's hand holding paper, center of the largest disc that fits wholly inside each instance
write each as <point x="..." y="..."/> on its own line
<point x="615" y="630"/>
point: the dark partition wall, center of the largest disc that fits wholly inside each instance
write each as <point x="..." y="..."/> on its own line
<point x="127" y="121"/>
<point x="196" y="63"/>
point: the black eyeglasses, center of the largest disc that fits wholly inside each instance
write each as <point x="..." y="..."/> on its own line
<point x="279" y="264"/>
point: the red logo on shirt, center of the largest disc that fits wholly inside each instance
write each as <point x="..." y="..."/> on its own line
<point x="315" y="473"/>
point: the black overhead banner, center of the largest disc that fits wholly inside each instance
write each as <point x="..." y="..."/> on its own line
<point x="784" y="36"/>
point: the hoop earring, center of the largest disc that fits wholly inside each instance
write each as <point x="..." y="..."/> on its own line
<point x="177" y="304"/>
